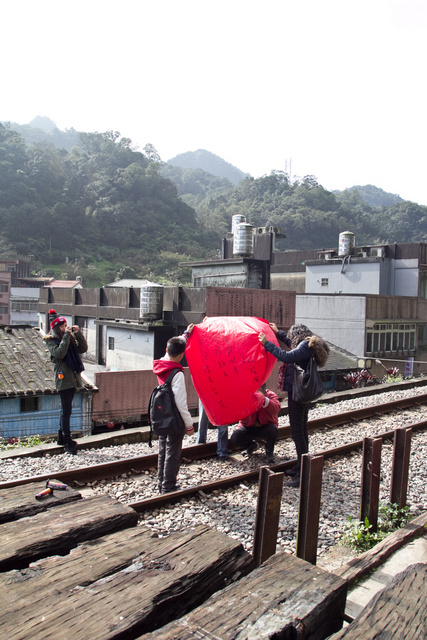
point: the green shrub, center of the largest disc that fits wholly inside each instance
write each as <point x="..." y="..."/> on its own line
<point x="16" y="443"/>
<point x="359" y="535"/>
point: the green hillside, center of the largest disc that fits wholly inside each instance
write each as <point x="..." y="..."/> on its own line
<point x="105" y="211"/>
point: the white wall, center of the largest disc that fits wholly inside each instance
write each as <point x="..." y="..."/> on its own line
<point x="405" y="278"/>
<point x="338" y="319"/>
<point x="358" y="277"/>
<point x="132" y="349"/>
<point x="24" y="316"/>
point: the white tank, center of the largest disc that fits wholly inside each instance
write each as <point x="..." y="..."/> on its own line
<point x="346" y="243"/>
<point x="243" y="240"/>
<point x="151" y="302"/>
<point x="235" y="220"/>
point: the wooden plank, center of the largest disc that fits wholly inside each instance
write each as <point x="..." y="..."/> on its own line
<point x="360" y="566"/>
<point x="20" y="502"/>
<point x="119" y="586"/>
<point x="398" y="611"/>
<point x="285" y="598"/>
<point x="59" y="530"/>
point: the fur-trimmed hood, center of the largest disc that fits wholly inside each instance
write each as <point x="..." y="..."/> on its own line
<point x="320" y="349"/>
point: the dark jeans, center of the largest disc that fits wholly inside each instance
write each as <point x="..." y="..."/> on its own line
<point x="66" y="408"/>
<point x="298" y="418"/>
<point x="202" y="432"/>
<point x="243" y="437"/>
<point x="169" y="460"/>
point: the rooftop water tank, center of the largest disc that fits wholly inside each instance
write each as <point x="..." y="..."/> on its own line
<point x="235" y="220"/>
<point x="243" y="240"/>
<point x="151" y="302"/>
<point x="346" y="244"/>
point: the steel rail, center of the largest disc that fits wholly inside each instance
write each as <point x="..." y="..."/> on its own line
<point x="252" y="476"/>
<point x="196" y="452"/>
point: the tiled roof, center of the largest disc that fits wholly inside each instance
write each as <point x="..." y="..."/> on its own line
<point x="340" y="360"/>
<point x="25" y="365"/>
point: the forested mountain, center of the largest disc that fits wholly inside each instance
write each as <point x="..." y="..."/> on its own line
<point x="207" y="161"/>
<point x="105" y="211"/>
<point x="42" y="129"/>
<point x="374" y="196"/>
<point x="103" y="206"/>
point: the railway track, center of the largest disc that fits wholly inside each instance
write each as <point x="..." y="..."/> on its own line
<point x="141" y="464"/>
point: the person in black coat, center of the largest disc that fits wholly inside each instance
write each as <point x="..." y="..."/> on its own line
<point x="302" y="345"/>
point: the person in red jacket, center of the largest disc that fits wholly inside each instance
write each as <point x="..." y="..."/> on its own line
<point x="261" y="425"/>
<point x="170" y="446"/>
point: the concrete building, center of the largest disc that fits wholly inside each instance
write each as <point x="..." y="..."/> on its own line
<point x="23" y="306"/>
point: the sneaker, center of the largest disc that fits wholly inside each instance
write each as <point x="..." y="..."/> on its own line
<point x="271" y="458"/>
<point x="224" y="458"/>
<point x="175" y="488"/>
<point x="294" y="482"/>
<point x="252" y="447"/>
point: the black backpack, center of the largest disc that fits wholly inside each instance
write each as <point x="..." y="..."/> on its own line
<point x="163" y="415"/>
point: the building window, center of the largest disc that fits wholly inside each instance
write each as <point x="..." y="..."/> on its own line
<point x="111" y="344"/>
<point x="423" y="285"/>
<point x="324" y="282"/>
<point x="23" y="305"/>
<point x="3" y="309"/>
<point x="390" y="337"/>
<point x="32" y="403"/>
<point x="4" y="287"/>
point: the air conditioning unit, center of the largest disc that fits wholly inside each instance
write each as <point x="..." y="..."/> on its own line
<point x="377" y="252"/>
<point x="362" y="254"/>
<point x="261" y="230"/>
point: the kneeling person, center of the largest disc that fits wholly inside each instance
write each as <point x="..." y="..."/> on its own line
<point x="261" y="425"/>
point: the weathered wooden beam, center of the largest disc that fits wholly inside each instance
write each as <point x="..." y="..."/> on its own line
<point x="119" y="586"/>
<point x="397" y="611"/>
<point x="284" y="598"/>
<point x="20" y="502"/>
<point x="60" y="529"/>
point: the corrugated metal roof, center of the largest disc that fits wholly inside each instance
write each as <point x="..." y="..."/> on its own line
<point x="25" y="365"/>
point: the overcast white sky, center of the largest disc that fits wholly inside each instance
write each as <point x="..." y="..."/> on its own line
<point x="337" y="86"/>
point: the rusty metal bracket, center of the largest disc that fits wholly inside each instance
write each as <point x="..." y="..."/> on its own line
<point x="270" y="489"/>
<point x="400" y="467"/>
<point x="309" y="507"/>
<point x="370" y="485"/>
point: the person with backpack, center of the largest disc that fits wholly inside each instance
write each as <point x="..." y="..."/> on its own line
<point x="170" y="446"/>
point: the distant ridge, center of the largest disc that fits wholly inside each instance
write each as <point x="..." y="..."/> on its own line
<point x="374" y="196"/>
<point x="207" y="161"/>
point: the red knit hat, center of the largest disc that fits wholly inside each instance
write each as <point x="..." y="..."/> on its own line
<point x="55" y="319"/>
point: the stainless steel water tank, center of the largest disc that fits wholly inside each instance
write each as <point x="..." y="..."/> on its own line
<point x="243" y="240"/>
<point x="235" y="220"/>
<point x="151" y="302"/>
<point x="346" y="243"/>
